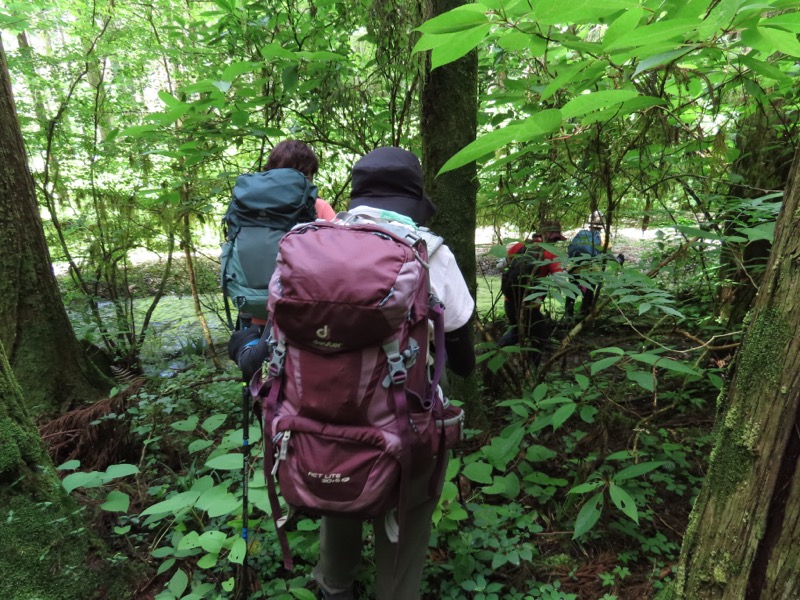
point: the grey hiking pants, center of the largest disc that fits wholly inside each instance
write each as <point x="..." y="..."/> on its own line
<point x="398" y="566"/>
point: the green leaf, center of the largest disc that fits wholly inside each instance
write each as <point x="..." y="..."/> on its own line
<point x="168" y="99"/>
<point x="322" y="56"/>
<point x="588" y="413"/>
<point x="660" y="31"/>
<point x="644" y="307"/>
<point x="582" y="381"/>
<point x="186" y="424"/>
<point x="208" y="561"/>
<point x="165" y="566"/>
<point x="623" y="501"/>
<point x="238" y="551"/>
<point x="643" y="378"/>
<point x="189" y="542"/>
<point x="116" y="502"/>
<point x="762" y="231"/>
<point x="504" y="448"/>
<point x="538" y="125"/>
<point x="212" y="541"/>
<point x="504" y="485"/>
<point x="177" y="585"/>
<point x="70" y="465"/>
<point x="213" y="422"/>
<point x="137" y="131"/>
<point x="460" y="18"/>
<point x="459" y="46"/>
<point x="623" y="24"/>
<point x="552" y="12"/>
<point x="598" y="365"/>
<point x="479" y="472"/>
<point x="222" y="86"/>
<point x="637" y="470"/>
<point x="782" y="41"/>
<point x="764" y="68"/>
<point x="175" y="504"/>
<point x="302" y="594"/>
<point x="562" y="414"/>
<point x="91" y="479"/>
<point x="274" y="50"/>
<point x="674" y="365"/>
<point x="228" y="584"/>
<point x="587" y="487"/>
<point x="537" y="453"/>
<point x="231" y="72"/>
<point x="198" y="445"/>
<point x="661" y="59"/>
<point x="226" y="462"/>
<point x="610" y="350"/>
<point x="588" y="516"/>
<point x="585" y="103"/>
<point x="120" y="470"/>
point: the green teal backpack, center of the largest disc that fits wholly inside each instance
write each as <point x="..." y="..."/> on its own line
<point x="264" y="207"/>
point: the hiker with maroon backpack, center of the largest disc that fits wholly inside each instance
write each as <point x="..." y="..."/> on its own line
<point x="356" y="425"/>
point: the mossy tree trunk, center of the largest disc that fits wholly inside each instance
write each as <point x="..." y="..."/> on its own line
<point x="47" y="359"/>
<point x="743" y="540"/>
<point x="44" y="543"/>
<point x="448" y="122"/>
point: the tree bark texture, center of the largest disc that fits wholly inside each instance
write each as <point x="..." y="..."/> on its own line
<point x="448" y="122"/>
<point x="743" y="539"/>
<point x="47" y="359"/>
<point x="44" y="544"/>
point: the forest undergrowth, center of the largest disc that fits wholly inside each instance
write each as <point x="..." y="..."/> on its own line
<point x="578" y="484"/>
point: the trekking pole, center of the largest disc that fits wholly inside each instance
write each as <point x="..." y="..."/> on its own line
<point x="245" y="472"/>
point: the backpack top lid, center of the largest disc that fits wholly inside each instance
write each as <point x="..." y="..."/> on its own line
<point x="391" y="178"/>
<point x="278" y="198"/>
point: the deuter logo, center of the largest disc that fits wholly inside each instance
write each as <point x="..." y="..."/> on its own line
<point x="328" y="477"/>
<point x="323" y="333"/>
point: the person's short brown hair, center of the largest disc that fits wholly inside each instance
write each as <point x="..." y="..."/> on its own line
<point x="293" y="154"/>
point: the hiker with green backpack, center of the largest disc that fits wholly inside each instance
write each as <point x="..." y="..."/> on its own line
<point x="264" y="207"/>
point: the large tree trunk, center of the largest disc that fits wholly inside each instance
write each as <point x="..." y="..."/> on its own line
<point x="743" y="540"/>
<point x="44" y="544"/>
<point x="47" y="359"/>
<point x="448" y="123"/>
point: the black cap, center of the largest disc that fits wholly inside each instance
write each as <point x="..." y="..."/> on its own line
<point x="390" y="178"/>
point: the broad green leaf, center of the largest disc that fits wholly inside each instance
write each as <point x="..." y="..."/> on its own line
<point x="504" y="485"/>
<point x="637" y="470"/>
<point x="429" y="41"/>
<point x="762" y="231"/>
<point x="186" y="424"/>
<point x="213" y="422"/>
<point x="206" y="85"/>
<point x="782" y="41"/>
<point x="552" y="12"/>
<point x="514" y="40"/>
<point x="169" y="99"/>
<point x="459" y="46"/>
<point x="661" y="59"/>
<point x="788" y="21"/>
<point x="70" y="465"/>
<point x="231" y="72"/>
<point x="175" y="504"/>
<point x="322" y="56"/>
<point x="190" y="541"/>
<point x="643" y="378"/>
<point x="222" y="86"/>
<point x="165" y="566"/>
<point x="656" y="32"/>
<point x="537" y="453"/>
<point x="136" y="131"/>
<point x="623" y="24"/>
<point x="539" y="392"/>
<point x="116" y="502"/>
<point x="644" y="307"/>
<point x="218" y="502"/>
<point x="302" y="594"/>
<point x="648" y="358"/>
<point x="226" y="462"/>
<point x="228" y="584"/>
<point x="562" y="414"/>
<point x="91" y="479"/>
<point x="564" y="75"/>
<point x="582" y="381"/>
<point x="623" y="501"/>
<point x="610" y="350"/>
<point x="237" y="552"/>
<point x="504" y="448"/>
<point x="764" y="68"/>
<point x="208" y="561"/>
<point x="540" y="124"/>
<point x="212" y="541"/>
<point x="674" y="365"/>
<point x="588" y="414"/>
<point x="479" y="472"/>
<point x="588" y="516"/>
<point x="177" y="585"/>
<point x="585" y="488"/>
<point x="274" y="50"/>
<point x="585" y="103"/>
<point x="460" y="18"/>
<point x="544" y="479"/>
<point x="598" y="365"/>
<point x="198" y="445"/>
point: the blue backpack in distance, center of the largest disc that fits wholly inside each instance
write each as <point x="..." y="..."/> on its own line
<point x="585" y="242"/>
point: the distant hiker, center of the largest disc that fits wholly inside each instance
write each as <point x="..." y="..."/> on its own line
<point x="390" y="179"/>
<point x="281" y="192"/>
<point x="526" y="262"/>
<point x="586" y="244"/>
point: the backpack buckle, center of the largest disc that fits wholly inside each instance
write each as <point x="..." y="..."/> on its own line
<point x="277" y="360"/>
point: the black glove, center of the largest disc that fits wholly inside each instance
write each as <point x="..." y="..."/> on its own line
<point x="239" y="340"/>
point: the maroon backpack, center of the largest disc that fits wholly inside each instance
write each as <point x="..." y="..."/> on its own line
<point x="353" y="405"/>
